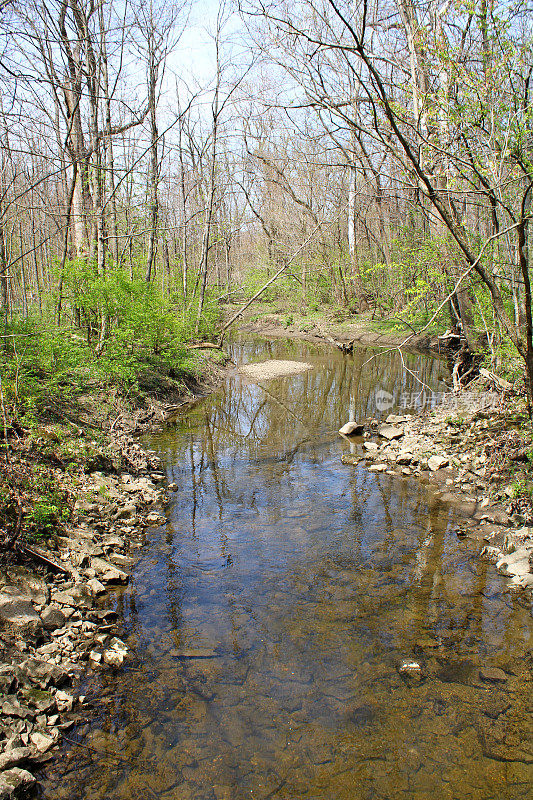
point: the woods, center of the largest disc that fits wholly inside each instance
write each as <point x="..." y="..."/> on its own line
<point x="392" y="138"/>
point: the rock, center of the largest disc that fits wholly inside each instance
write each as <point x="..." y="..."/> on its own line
<point x="516" y="563"/>
<point x="404" y="457"/>
<point x="52" y="618"/>
<point x="41" y="673"/>
<point x="38" y="698"/>
<point x="371" y="446"/>
<point x="29" y="585"/>
<point x="76" y="596"/>
<point x="113" y="541"/>
<point x="41" y="741"/>
<point x="96" y="587"/>
<point x="18" y="617"/>
<point x="492" y="675"/>
<point x="13" y="781"/>
<point x="352" y="429"/>
<point x="155" y="519"/>
<point x="114" y="658"/>
<point x="390" y="432"/>
<point x="64" y="701"/>
<point x="118" y="644"/>
<point x="437" y="462"/>
<point x="126" y="512"/>
<point x="396" y="419"/>
<point x="14" y="757"/>
<point x="95" y="656"/>
<point x="122" y="561"/>
<point x="104" y="615"/>
<point x="107" y="572"/>
<point x="378" y="468"/>
<point x="12" y="708"/>
<point x="410" y="668"/>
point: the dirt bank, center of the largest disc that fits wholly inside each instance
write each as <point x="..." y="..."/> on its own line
<point x="357" y="330"/>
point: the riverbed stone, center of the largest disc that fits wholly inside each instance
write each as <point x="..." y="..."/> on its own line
<point x="492" y="675"/>
<point x="390" y="432"/>
<point x="52" y="618"/>
<point x="437" y="462"/>
<point x="378" y="468"/>
<point x="108" y="573"/>
<point x="352" y="429"/>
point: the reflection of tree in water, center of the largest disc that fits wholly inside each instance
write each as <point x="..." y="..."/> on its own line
<point x="310" y="580"/>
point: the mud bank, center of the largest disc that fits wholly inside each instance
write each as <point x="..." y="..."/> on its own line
<point x="272" y="325"/>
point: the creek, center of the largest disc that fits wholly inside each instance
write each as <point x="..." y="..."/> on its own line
<point x="268" y="618"/>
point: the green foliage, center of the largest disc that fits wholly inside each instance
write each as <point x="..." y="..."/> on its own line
<point x="521" y="488"/>
<point x="113" y="329"/>
<point x="31" y="501"/>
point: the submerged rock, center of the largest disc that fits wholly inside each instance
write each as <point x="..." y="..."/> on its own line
<point x="410" y="669"/>
<point x="492" y="675"/>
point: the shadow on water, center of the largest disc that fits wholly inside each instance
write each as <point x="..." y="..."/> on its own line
<point x="269" y="616"/>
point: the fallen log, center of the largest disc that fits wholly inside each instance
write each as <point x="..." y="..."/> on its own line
<point x="501" y="383"/>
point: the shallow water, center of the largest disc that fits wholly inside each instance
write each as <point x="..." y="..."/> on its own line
<point x="269" y="616"/>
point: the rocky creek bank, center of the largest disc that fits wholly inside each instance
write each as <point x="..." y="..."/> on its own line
<point x="476" y="449"/>
<point x="57" y="596"/>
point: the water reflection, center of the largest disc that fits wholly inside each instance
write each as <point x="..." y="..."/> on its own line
<point x="269" y="616"/>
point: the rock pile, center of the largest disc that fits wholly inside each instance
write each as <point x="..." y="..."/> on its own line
<point x="55" y="625"/>
<point x="465" y="453"/>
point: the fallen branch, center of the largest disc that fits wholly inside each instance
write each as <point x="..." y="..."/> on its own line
<point x="38" y="554"/>
<point x="271" y="281"/>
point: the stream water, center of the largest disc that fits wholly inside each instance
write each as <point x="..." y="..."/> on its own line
<point x="268" y="617"/>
